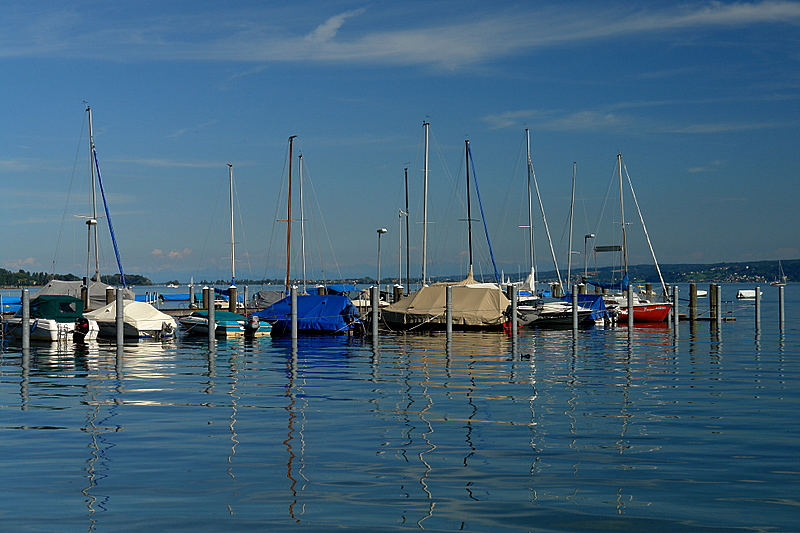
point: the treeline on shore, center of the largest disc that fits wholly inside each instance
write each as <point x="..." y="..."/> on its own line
<point x="22" y="278"/>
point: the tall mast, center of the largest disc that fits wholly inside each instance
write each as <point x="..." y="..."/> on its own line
<point x="622" y="215"/>
<point x="530" y="211"/>
<point x="302" y="222"/>
<point x="92" y="222"/>
<point x="289" y="220"/>
<point x="469" y="208"/>
<point x="571" y="213"/>
<point x="408" y="257"/>
<point x="425" y="125"/>
<point x="544" y="220"/>
<point x="233" y="242"/>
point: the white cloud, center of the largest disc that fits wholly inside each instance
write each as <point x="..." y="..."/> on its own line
<point x="351" y="37"/>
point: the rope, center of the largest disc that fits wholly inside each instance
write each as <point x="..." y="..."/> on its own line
<point x="108" y="218"/>
<point x="483" y="216"/>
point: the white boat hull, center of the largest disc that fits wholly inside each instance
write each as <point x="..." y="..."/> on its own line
<point x="47" y="329"/>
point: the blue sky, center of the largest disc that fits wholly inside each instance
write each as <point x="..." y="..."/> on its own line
<point x="701" y="98"/>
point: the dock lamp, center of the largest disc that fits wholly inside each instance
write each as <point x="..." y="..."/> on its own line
<point x="380" y="231"/>
<point x="586" y="238"/>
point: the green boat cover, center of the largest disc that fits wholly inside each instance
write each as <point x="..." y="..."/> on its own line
<point x="57" y="307"/>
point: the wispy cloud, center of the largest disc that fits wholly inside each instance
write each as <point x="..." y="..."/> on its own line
<point x="713" y="166"/>
<point x="195" y="129"/>
<point x="368" y="37"/>
<point x="171" y="254"/>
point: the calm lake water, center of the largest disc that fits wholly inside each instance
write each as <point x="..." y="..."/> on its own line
<point x="605" y="431"/>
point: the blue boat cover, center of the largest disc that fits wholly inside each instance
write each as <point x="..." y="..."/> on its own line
<point x="594" y="302"/>
<point x="328" y="313"/>
<point x="621" y="285"/>
<point x="175" y="297"/>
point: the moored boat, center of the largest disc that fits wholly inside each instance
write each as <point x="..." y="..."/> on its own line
<point x="54" y="318"/>
<point x="140" y="320"/>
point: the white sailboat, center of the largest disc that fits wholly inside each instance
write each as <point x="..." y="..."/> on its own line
<point x="781" y="277"/>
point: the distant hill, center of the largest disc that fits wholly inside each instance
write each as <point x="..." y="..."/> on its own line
<point x="744" y="272"/>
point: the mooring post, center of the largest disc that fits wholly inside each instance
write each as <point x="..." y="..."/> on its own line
<point x="712" y="302"/>
<point x="26" y="320"/>
<point x="85" y="294"/>
<point x="693" y="301"/>
<point x="206" y="298"/>
<point x="212" y="322"/>
<point x="374" y="295"/>
<point x="574" y="307"/>
<point x="780" y="306"/>
<point x="293" y="298"/>
<point x="758" y="308"/>
<point x="630" y="308"/>
<point x="514" y="317"/>
<point x="244" y="300"/>
<point x="120" y="317"/>
<point x="718" y="296"/>
<point x="110" y="295"/>
<point x="232" y="298"/>
<point x="648" y="289"/>
<point x="676" y="315"/>
<point x="448" y="311"/>
<point x="191" y="295"/>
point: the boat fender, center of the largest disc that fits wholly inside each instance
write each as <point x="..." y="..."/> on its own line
<point x="81" y="329"/>
<point x="166" y="329"/>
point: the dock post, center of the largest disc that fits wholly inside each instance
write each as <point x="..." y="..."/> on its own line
<point x="448" y="311"/>
<point x="780" y="306"/>
<point x="191" y="295"/>
<point x="630" y="308"/>
<point x="120" y="317"/>
<point x="514" y="317"/>
<point x="676" y="315"/>
<point x="758" y="308"/>
<point x="244" y="300"/>
<point x="26" y="320"/>
<point x="574" y="307"/>
<point x="712" y="301"/>
<point x="693" y="301"/>
<point x="374" y="295"/>
<point x="110" y="295"/>
<point x="648" y="289"/>
<point x="85" y="294"/>
<point x="232" y="298"/>
<point x="718" y="296"/>
<point x="212" y="322"/>
<point x="293" y="298"/>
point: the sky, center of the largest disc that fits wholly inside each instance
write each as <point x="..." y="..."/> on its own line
<point x="702" y="99"/>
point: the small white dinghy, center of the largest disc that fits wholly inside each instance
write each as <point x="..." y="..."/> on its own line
<point x="747" y="294"/>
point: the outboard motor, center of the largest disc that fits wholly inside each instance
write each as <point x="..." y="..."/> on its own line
<point x="81" y="329"/>
<point x="251" y="326"/>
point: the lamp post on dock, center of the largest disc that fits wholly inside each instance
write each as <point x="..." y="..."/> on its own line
<point x="380" y="231"/>
<point x="586" y="238"/>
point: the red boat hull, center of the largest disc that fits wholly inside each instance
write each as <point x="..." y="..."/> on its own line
<point x="646" y="312"/>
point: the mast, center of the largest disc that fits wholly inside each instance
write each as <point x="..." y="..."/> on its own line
<point x="289" y="220"/>
<point x="530" y="213"/>
<point x="425" y="125"/>
<point x="302" y="222"/>
<point x="92" y="222"/>
<point x="469" y="208"/>
<point x="233" y="242"/>
<point x="571" y="213"/>
<point x="622" y="214"/>
<point x="408" y="256"/>
<point x="546" y="227"/>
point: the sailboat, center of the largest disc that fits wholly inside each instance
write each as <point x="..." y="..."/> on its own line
<point x="644" y="310"/>
<point x="474" y="305"/>
<point x="781" y="281"/>
<point x="316" y="313"/>
<point x="532" y="310"/>
<point x="225" y="322"/>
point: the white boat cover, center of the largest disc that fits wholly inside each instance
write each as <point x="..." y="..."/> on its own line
<point x="140" y="315"/>
<point x="97" y="291"/>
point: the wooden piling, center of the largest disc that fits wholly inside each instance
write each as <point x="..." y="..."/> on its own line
<point x="693" y="301"/>
<point x="26" y="320"/>
<point x="448" y="311"/>
<point x="232" y="299"/>
<point x="120" y="322"/>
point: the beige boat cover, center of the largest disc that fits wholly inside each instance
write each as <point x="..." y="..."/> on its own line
<point x="474" y="305"/>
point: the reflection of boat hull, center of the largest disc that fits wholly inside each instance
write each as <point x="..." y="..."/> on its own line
<point x="650" y="312"/>
<point x="47" y="329"/>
